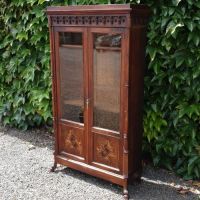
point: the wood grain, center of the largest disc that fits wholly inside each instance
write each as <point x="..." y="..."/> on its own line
<point x="104" y="151"/>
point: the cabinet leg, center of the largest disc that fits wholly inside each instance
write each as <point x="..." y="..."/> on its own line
<point x="54" y="167"/>
<point x="138" y="180"/>
<point x="125" y="193"/>
<point x="137" y="176"/>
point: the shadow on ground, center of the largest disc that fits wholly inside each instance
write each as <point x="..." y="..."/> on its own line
<point x="156" y="184"/>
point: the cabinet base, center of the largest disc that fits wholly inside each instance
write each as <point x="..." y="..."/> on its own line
<point x="91" y="170"/>
<point x="97" y="172"/>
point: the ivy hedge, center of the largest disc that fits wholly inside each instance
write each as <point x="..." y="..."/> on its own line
<point x="172" y="81"/>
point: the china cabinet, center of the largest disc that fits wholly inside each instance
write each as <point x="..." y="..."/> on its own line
<point x="98" y="59"/>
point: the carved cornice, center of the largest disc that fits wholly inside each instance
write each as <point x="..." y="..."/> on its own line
<point x="90" y="20"/>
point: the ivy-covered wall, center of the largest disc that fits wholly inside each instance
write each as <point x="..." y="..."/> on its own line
<point x="172" y="81"/>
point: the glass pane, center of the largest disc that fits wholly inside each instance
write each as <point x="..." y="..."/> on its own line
<point x="107" y="64"/>
<point x="71" y="76"/>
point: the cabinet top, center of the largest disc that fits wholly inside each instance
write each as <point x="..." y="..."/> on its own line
<point x="112" y="15"/>
<point x="106" y="8"/>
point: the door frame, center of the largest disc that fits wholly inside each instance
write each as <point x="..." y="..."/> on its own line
<point x="60" y="120"/>
<point x="123" y="102"/>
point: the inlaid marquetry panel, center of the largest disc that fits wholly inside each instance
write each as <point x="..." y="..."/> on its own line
<point x="106" y="150"/>
<point x="72" y="140"/>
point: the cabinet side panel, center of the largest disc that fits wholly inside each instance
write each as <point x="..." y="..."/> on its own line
<point x="53" y="75"/>
<point x="136" y="93"/>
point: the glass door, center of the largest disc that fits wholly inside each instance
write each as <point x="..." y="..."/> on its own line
<point x="71" y="76"/>
<point x="72" y="91"/>
<point x="106" y="80"/>
<point x="105" y="91"/>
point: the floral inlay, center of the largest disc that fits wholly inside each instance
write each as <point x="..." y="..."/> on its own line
<point x="72" y="141"/>
<point x="105" y="150"/>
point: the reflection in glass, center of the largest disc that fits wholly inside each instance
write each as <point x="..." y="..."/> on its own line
<point x="106" y="78"/>
<point x="71" y="76"/>
<point x="70" y="38"/>
<point x="107" y="40"/>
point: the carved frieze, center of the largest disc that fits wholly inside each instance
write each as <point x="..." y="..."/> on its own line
<point x="89" y="20"/>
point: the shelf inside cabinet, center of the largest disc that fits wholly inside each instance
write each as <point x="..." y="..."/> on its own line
<point x="108" y="48"/>
<point x="74" y="102"/>
<point x="71" y="46"/>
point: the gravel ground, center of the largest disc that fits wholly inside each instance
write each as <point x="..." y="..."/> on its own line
<point x="25" y="160"/>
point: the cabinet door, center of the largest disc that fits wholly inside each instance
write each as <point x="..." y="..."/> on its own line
<point x="71" y="76"/>
<point x="105" y="81"/>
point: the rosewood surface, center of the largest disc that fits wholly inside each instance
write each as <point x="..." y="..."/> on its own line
<point x="97" y="59"/>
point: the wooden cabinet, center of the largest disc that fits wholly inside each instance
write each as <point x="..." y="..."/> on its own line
<point x="97" y="58"/>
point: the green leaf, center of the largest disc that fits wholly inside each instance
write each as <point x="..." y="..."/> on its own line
<point x="176" y="2"/>
<point x="179" y="61"/>
<point x="152" y="52"/>
<point x="190" y="26"/>
<point x="21" y="36"/>
<point x="196" y="39"/>
<point x="41" y="1"/>
<point x="172" y="26"/>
